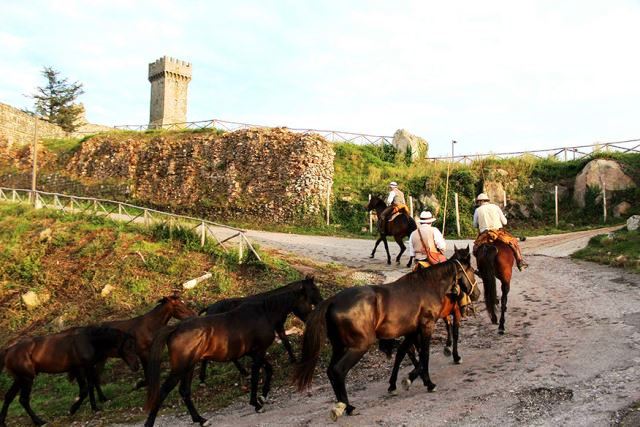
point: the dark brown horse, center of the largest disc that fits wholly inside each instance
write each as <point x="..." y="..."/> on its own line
<point x="402" y="226"/>
<point x="355" y="318"/>
<point x="75" y="350"/>
<point x="229" y="304"/>
<point x="144" y="328"/>
<point x="495" y="260"/>
<point x="246" y="330"/>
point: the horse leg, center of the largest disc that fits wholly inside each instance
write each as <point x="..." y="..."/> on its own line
<point x="285" y="342"/>
<point x="456" y="332"/>
<point x="143" y="361"/>
<point x="241" y="369"/>
<point x="266" y="387"/>
<point x="168" y="385"/>
<point x="25" y="396"/>
<point x="257" y="362"/>
<point x="386" y="248"/>
<point x="185" y="393"/>
<point x="340" y="371"/>
<point x="203" y="371"/>
<point x="99" y="368"/>
<point x="503" y="304"/>
<point x="373" y="253"/>
<point x="402" y="247"/>
<point x="336" y="354"/>
<point x="84" y="391"/>
<point x="410" y="262"/>
<point x="447" y="346"/>
<point x="424" y="341"/>
<point x="400" y="354"/>
<point x="91" y="380"/>
<point x="8" y="398"/>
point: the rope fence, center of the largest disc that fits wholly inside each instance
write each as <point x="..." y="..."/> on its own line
<point x="128" y="213"/>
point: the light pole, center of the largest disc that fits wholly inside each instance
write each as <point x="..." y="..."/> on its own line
<point x="453" y="142"/>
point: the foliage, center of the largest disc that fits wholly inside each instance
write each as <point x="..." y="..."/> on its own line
<point x="619" y="249"/>
<point x="56" y="100"/>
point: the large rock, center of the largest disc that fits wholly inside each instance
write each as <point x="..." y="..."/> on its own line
<point x="495" y="191"/>
<point x="621" y="209"/>
<point x="599" y="173"/>
<point x="430" y="203"/>
<point x="33" y="300"/>
<point x="633" y="222"/>
<point x="402" y="140"/>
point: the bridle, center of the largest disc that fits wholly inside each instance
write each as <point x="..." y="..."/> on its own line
<point x="473" y="283"/>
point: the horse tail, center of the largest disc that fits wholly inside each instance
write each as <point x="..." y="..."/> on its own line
<point x="412" y="225"/>
<point x="486" y="265"/>
<point x="314" y="334"/>
<point x="153" y="366"/>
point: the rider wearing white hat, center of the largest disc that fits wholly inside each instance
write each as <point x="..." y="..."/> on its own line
<point x="395" y="203"/>
<point x="426" y="243"/>
<point x="489" y="220"/>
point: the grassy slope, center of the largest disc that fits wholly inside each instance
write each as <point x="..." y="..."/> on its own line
<point x="619" y="249"/>
<point x="83" y="255"/>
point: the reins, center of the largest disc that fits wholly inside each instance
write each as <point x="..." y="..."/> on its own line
<point x="474" y="283"/>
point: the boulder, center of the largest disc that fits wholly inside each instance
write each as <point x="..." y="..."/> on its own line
<point x="402" y="140"/>
<point x="430" y="203"/>
<point x="621" y="209"/>
<point x="45" y="235"/>
<point x="33" y="300"/>
<point x="106" y="290"/>
<point x="633" y="222"/>
<point x="599" y="173"/>
<point x="495" y="191"/>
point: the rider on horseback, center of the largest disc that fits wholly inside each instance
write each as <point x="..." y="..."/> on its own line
<point x="426" y="243"/>
<point x="489" y="220"/>
<point x="395" y="203"/>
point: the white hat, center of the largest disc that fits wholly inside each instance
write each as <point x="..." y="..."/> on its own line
<point x="393" y="184"/>
<point x="482" y="197"/>
<point x="426" y="218"/>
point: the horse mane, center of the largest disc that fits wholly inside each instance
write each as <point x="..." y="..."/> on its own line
<point x="104" y="338"/>
<point x="437" y="271"/>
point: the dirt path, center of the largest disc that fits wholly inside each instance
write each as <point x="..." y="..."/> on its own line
<point x="570" y="356"/>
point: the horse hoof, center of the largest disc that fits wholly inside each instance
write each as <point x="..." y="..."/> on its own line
<point x="393" y="392"/>
<point x="457" y="361"/>
<point x="406" y="383"/>
<point x="260" y="409"/>
<point x="370" y="256"/>
<point x="501" y="331"/>
<point x="431" y="387"/>
<point x="351" y="410"/>
<point x="338" y="411"/>
<point x="263" y="400"/>
<point x="204" y="422"/>
<point x="447" y="351"/>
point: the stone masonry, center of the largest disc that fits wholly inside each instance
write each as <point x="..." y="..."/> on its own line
<point x="169" y="79"/>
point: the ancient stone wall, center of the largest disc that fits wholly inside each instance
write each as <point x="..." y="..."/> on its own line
<point x="17" y="127"/>
<point x="264" y="175"/>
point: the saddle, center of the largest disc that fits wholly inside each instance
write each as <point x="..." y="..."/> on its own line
<point x="490" y="236"/>
<point x="399" y="210"/>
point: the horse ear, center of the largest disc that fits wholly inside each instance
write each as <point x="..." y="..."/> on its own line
<point x="455" y="248"/>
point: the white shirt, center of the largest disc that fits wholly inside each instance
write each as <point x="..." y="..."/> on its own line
<point x="488" y="217"/>
<point x="415" y="245"/>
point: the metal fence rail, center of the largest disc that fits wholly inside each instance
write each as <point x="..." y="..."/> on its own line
<point x="129" y="213"/>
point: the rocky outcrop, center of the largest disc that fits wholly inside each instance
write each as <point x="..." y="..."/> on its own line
<point x="599" y="173"/>
<point x="621" y="209"/>
<point x="403" y="141"/>
<point x="495" y="191"/>
<point x="273" y="174"/>
<point x="633" y="222"/>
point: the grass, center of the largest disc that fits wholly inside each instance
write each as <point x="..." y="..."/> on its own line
<point x="619" y="249"/>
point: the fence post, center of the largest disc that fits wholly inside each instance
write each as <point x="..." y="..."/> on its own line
<point x="34" y="166"/>
<point x="328" y="203"/>
<point x="95" y="206"/>
<point x="411" y="205"/>
<point x="370" y="219"/>
<point x="455" y="197"/>
<point x="604" y="203"/>
<point x="240" y="251"/>
<point x="146" y="218"/>
<point x="556" y="202"/>
<point x="119" y="208"/>
<point x="504" y="198"/>
<point x="203" y="234"/>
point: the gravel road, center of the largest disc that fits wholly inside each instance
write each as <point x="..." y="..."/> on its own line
<point x="570" y="355"/>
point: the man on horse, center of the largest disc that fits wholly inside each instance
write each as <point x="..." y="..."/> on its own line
<point x="395" y="204"/>
<point x="489" y="220"/>
<point x="426" y="243"/>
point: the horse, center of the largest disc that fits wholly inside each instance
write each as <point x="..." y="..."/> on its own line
<point x="143" y="328"/>
<point x="245" y="330"/>
<point x="75" y="350"/>
<point x="228" y="304"/>
<point x="402" y="226"/>
<point x="355" y="317"/>
<point x="495" y="260"/>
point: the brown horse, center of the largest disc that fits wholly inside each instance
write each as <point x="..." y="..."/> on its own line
<point x="143" y="328"/>
<point x="402" y="226"/>
<point x="75" y="350"/>
<point x="246" y="330"/>
<point x="229" y="304"/>
<point x="495" y="260"/>
<point x="355" y="317"/>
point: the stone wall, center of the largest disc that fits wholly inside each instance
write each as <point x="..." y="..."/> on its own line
<point x="17" y="127"/>
<point x="263" y="175"/>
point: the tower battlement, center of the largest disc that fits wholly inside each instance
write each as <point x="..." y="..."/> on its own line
<point x="169" y="79"/>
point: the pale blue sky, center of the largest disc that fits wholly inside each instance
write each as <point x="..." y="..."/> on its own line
<point x="494" y="75"/>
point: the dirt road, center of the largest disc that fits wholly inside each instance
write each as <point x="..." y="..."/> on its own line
<point x="571" y="354"/>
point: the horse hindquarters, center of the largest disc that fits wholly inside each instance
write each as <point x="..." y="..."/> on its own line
<point x="486" y="259"/>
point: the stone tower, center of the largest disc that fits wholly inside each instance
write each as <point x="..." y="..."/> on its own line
<point x="169" y="79"/>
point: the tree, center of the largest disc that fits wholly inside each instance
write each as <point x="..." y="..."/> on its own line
<point x="55" y="101"/>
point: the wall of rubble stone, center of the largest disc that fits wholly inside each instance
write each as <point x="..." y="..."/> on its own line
<point x="17" y="127"/>
<point x="262" y="175"/>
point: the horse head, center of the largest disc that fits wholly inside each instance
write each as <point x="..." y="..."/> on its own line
<point x="374" y="203"/>
<point x="127" y="351"/>
<point x="309" y="297"/>
<point x="177" y="307"/>
<point x="466" y="280"/>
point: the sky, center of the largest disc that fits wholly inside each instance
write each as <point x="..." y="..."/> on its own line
<point x="495" y="76"/>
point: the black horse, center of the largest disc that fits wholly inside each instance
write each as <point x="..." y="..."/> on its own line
<point x="400" y="227"/>
<point x="229" y="304"/>
<point x="75" y="351"/>
<point x="246" y="330"/>
<point x="355" y="318"/>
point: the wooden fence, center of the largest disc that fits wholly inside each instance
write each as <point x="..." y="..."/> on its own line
<point x="128" y="213"/>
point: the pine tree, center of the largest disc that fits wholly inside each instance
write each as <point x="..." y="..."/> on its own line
<point x="55" y="101"/>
